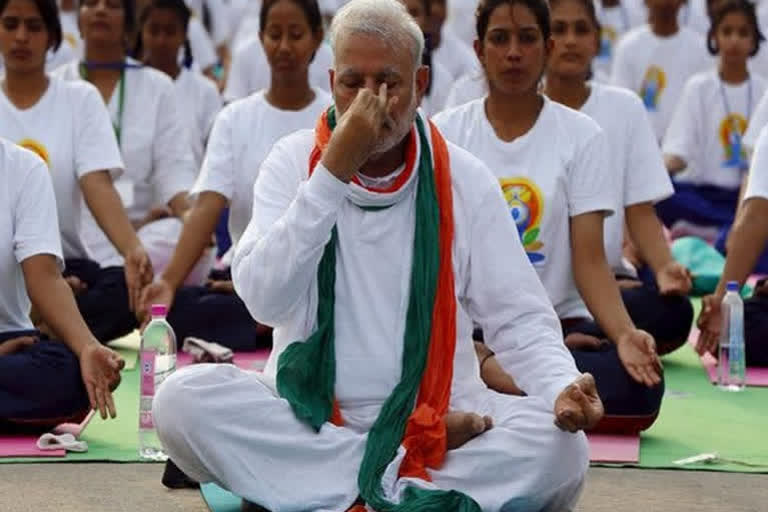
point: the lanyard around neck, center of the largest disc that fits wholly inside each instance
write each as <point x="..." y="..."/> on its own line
<point x="727" y="105"/>
<point x="118" y="125"/>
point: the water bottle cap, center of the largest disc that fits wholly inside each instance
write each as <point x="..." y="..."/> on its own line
<point x="732" y="286"/>
<point x="159" y="310"/>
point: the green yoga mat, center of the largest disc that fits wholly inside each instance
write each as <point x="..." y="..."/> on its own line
<point x="109" y="440"/>
<point x="219" y="500"/>
<point x="697" y="417"/>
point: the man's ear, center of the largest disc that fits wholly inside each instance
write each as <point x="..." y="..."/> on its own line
<point x="422" y="81"/>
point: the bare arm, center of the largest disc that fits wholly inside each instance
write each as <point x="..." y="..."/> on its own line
<point x="594" y="277"/>
<point x="674" y="164"/>
<point x="745" y="243"/>
<point x="598" y="288"/>
<point x="107" y="208"/>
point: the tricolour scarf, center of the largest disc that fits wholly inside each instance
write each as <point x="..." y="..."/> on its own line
<point x="306" y="370"/>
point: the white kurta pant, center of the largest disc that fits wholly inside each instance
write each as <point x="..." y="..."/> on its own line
<point x="223" y="425"/>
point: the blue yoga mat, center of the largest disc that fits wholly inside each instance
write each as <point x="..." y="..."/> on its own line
<point x="219" y="500"/>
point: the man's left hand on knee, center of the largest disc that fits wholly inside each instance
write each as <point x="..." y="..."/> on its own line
<point x="579" y="407"/>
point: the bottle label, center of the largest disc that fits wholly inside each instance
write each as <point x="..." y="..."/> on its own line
<point x="148" y="372"/>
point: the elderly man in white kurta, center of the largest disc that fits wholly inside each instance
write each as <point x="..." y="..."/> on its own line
<point x="374" y="246"/>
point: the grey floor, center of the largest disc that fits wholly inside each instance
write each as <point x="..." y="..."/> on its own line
<point x="91" y="488"/>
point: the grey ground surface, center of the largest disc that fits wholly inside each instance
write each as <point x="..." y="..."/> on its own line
<point x="136" y="487"/>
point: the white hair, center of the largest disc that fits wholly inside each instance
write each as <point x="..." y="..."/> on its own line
<point x="387" y="20"/>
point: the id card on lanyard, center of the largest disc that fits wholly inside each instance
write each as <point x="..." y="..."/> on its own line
<point x="123" y="185"/>
<point x="735" y="148"/>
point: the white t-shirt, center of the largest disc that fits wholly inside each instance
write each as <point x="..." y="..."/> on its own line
<point x="438" y="94"/>
<point x="707" y="135"/>
<point x="250" y="71"/>
<point x="495" y="285"/>
<point x="756" y="124"/>
<point x="657" y="68"/>
<point x="155" y="147"/>
<point x="71" y="131"/>
<point x="615" y="22"/>
<point x="634" y="156"/>
<point x="71" y="32"/>
<point x="202" y="47"/>
<point x="454" y="55"/>
<point x="558" y="170"/>
<point x="467" y="88"/>
<point x="242" y="136"/>
<point x="218" y="13"/>
<point x="461" y="20"/>
<point x="28" y="227"/>
<point x="757" y="185"/>
<point x="199" y="101"/>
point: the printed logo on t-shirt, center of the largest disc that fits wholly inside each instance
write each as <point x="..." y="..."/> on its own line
<point x="608" y="37"/>
<point x="526" y="205"/>
<point x="71" y="40"/>
<point x="654" y="82"/>
<point x="732" y="130"/>
<point x="38" y="149"/>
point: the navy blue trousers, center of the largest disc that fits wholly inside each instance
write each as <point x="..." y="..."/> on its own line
<point x="41" y="382"/>
<point x="218" y="317"/>
<point x="703" y="205"/>
<point x="667" y="318"/>
<point x="105" y="306"/>
<point x="756" y="330"/>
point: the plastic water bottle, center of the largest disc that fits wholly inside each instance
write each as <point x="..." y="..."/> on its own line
<point x="158" y="361"/>
<point x="732" y="366"/>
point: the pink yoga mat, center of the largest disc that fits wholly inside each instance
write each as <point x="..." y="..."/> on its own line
<point x="756" y="377"/>
<point x="25" y="446"/>
<point x="615" y="449"/>
<point x="252" y="361"/>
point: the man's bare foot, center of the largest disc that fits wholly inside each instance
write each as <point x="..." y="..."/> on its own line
<point x="462" y="426"/>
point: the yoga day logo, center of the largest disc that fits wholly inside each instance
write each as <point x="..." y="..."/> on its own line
<point x="654" y="83"/>
<point x="526" y="205"/>
<point x="71" y="40"/>
<point x="732" y="130"/>
<point x="608" y="38"/>
<point x="38" y="149"/>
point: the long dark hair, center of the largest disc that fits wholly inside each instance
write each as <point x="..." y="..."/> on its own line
<point x="182" y="11"/>
<point x="726" y="7"/>
<point x="49" y="11"/>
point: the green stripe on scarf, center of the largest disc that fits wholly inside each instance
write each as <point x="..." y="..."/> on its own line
<point x="307" y="370"/>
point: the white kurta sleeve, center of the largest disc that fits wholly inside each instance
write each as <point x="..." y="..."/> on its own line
<point x="172" y="162"/>
<point x="509" y="302"/>
<point x="276" y="260"/>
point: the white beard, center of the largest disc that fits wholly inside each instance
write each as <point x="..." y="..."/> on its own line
<point x="399" y="130"/>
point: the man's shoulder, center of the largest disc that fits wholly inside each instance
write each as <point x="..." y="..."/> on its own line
<point x="293" y="151"/>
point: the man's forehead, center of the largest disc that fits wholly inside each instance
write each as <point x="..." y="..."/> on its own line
<point x="364" y="57"/>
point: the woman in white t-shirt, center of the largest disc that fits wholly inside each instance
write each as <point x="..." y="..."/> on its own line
<point x="242" y="136"/>
<point x="42" y="382"/>
<point x="67" y="125"/>
<point x="703" y="148"/>
<point x="163" y="27"/>
<point x="746" y="247"/>
<point x="616" y="17"/>
<point x="552" y="165"/>
<point x="159" y="167"/>
<point x="659" y="306"/>
<point x="655" y="60"/>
